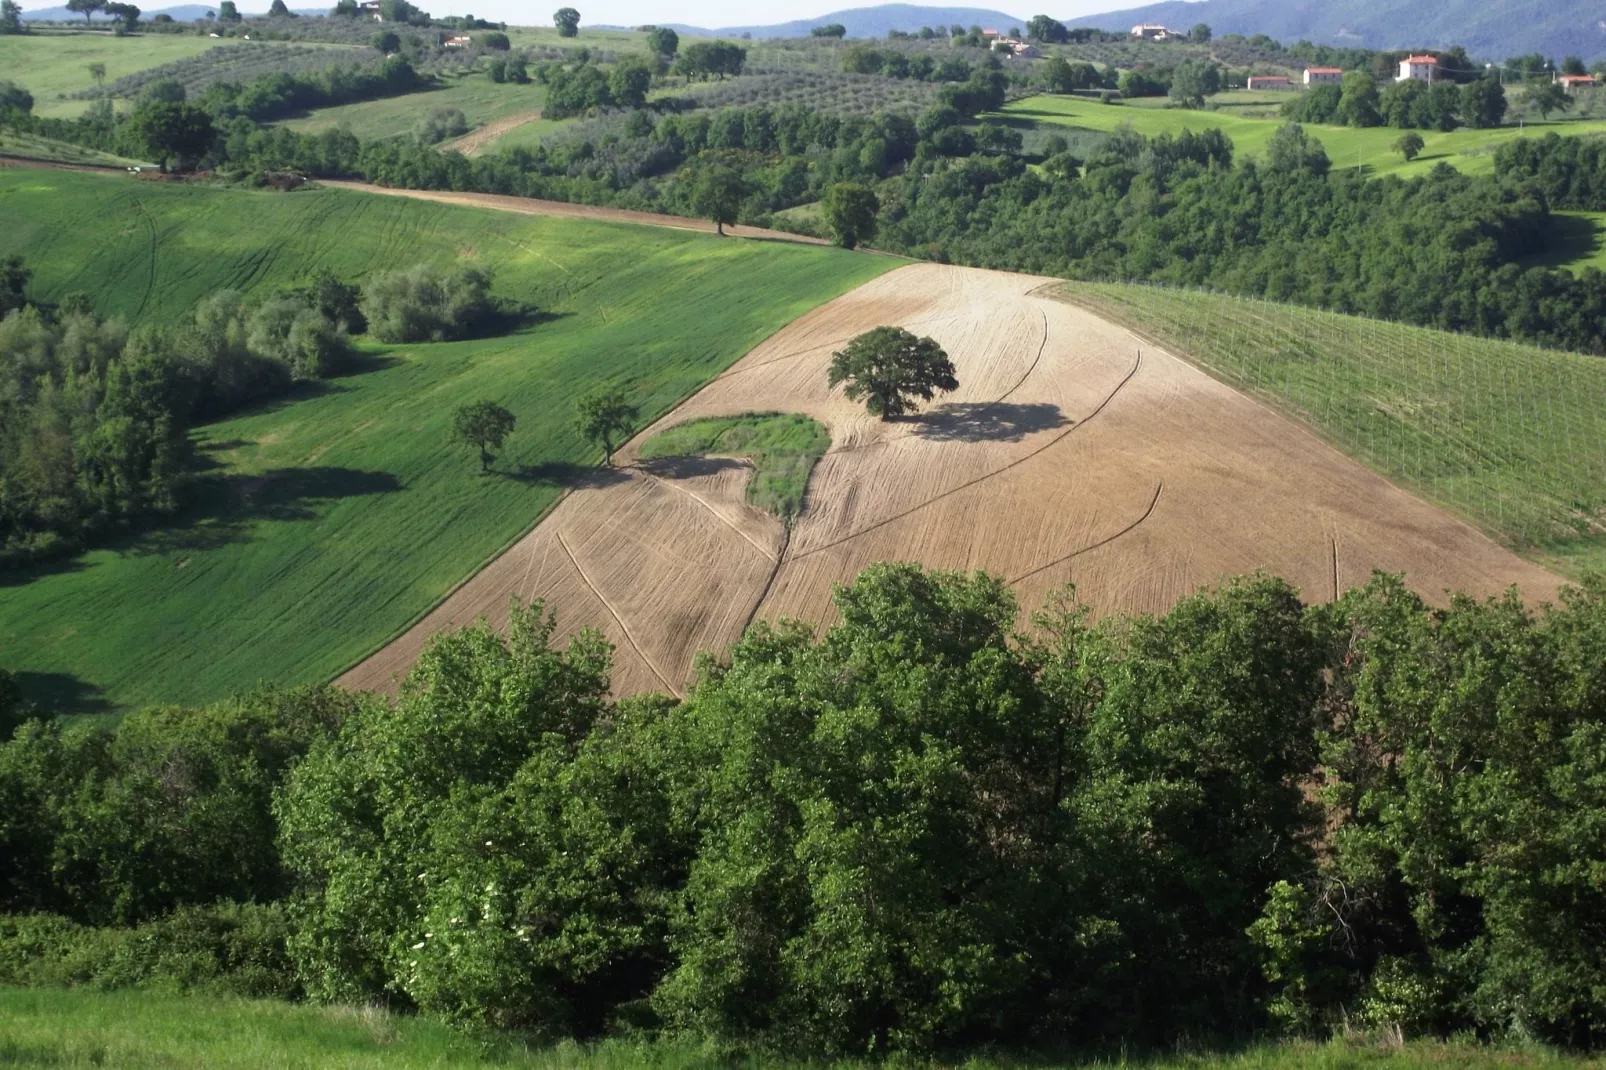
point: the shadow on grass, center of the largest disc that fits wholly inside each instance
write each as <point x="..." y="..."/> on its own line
<point x="688" y="467"/>
<point x="565" y="474"/>
<point x="55" y="693"/>
<point x="987" y="421"/>
<point x="1568" y="239"/>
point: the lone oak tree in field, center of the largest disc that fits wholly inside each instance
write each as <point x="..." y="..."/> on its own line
<point x="1408" y="144"/>
<point x="889" y="368"/>
<point x="606" y="417"/>
<point x="718" y="195"/>
<point x="483" y="425"/>
<point x="173" y="131"/>
<point x="850" y="213"/>
<point x="567" y="20"/>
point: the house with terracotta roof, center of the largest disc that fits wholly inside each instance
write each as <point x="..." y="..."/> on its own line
<point x="1419" y="69"/>
<point x="1572" y="83"/>
<point x="1269" y="81"/>
<point x="1324" y="75"/>
<point x="1146" y="32"/>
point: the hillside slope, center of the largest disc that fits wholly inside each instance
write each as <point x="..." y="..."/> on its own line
<point x="326" y="521"/>
<point x="1492" y="31"/>
<point x="875" y="21"/>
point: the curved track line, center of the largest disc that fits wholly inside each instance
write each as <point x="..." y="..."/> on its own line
<point x="1102" y="542"/>
<point x="983" y="478"/>
<point x="1035" y="362"/>
<point x="786" y="539"/>
<point x="645" y="660"/>
<point x="721" y="517"/>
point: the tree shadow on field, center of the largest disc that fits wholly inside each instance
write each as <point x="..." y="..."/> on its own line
<point x="982" y="421"/>
<point x="55" y="693"/>
<point x="222" y="508"/>
<point x="688" y="467"/>
<point x="564" y="474"/>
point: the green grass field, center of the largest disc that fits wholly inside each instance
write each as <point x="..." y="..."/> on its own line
<point x="49" y="65"/>
<point x="33" y="147"/>
<point x="143" y="1031"/>
<point x="782" y="446"/>
<point x="526" y="135"/>
<point x="1470" y="151"/>
<point x="333" y="520"/>
<point x="479" y="99"/>
<point x="1507" y="436"/>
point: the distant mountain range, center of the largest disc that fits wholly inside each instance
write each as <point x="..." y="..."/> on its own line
<point x="182" y="13"/>
<point x="1490" y="29"/>
<point x="869" y="22"/>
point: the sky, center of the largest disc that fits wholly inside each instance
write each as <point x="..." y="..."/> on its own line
<point x="710" y="13"/>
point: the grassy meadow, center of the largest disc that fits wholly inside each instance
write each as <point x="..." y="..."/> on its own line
<point x="783" y="447"/>
<point x="326" y="522"/>
<point x="51" y="65"/>
<point x="137" y="1030"/>
<point x="34" y="147"/>
<point x="1470" y="151"/>
<point x="1505" y="435"/>
<point x="474" y="94"/>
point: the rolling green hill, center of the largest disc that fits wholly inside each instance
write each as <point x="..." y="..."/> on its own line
<point x="329" y="521"/>
<point x="474" y="94"/>
<point x="1469" y="151"/>
<point x="52" y="65"/>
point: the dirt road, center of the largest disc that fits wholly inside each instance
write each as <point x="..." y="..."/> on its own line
<point x="473" y="142"/>
<point x="1072" y="452"/>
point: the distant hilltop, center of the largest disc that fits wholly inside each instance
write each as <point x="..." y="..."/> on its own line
<point x="875" y="21"/>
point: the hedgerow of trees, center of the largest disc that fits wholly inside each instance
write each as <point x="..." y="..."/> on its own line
<point x="1243" y="815"/>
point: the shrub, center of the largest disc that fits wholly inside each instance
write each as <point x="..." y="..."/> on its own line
<point x="427" y="303"/>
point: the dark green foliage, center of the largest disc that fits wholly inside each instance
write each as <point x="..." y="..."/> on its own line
<point x="169" y="809"/>
<point x="442" y="123"/>
<point x="1408" y="144"/>
<point x="703" y="60"/>
<point x="172" y="131"/>
<point x="228" y="949"/>
<point x="629" y="81"/>
<point x="1549" y="97"/>
<point x="427" y="303"/>
<point x="1049" y="31"/>
<point x="567" y="20"/>
<point x="1192" y="81"/>
<point x="483" y="425"/>
<point x="717" y="194"/>
<point x="1483" y="103"/>
<point x="605" y="417"/>
<point x="387" y="41"/>
<point x="495" y="42"/>
<point x="11" y="18"/>
<point x="663" y="41"/>
<point x="832" y="29"/>
<point x="13" y="707"/>
<point x="850" y="211"/>
<point x="888" y="369"/>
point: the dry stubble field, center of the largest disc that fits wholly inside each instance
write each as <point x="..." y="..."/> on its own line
<point x="1072" y="452"/>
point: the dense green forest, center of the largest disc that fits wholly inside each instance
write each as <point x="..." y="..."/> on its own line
<point x="919" y="831"/>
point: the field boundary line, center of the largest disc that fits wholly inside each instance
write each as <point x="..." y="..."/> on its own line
<point x="1153" y="502"/>
<point x="1056" y="440"/>
<point x="721" y="517"/>
<point x="631" y="639"/>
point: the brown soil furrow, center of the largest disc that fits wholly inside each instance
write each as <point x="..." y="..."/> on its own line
<point x="715" y="513"/>
<point x="623" y="627"/>
<point x="1154" y="501"/>
<point x="986" y="476"/>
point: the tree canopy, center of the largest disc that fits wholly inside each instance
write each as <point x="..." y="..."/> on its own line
<point x="850" y="211"/>
<point x="606" y="418"/>
<point x="889" y="369"/>
<point x="567" y="20"/>
<point x="483" y="425"/>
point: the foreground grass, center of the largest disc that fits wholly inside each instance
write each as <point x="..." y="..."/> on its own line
<point x="1469" y="151"/>
<point x="75" y="1028"/>
<point x="52" y="65"/>
<point x="1508" y="436"/>
<point x="783" y="447"/>
<point x="474" y="94"/>
<point x="330" y="520"/>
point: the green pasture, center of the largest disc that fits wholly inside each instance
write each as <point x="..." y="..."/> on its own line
<point x="783" y="447"/>
<point x="479" y="99"/>
<point x="1507" y="436"/>
<point x="34" y="147"/>
<point x="1470" y="151"/>
<point x="326" y="522"/>
<point x="526" y="135"/>
<point x="76" y="1028"/>
<point x="52" y="65"/>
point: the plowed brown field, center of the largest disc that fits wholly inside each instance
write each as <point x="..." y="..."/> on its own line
<point x="1072" y="452"/>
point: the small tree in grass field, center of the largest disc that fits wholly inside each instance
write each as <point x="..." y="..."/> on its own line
<point x="889" y="368"/>
<point x="606" y="418"/>
<point x="483" y="425"/>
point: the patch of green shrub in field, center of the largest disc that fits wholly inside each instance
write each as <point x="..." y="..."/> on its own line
<point x="782" y="446"/>
<point x="1508" y="436"/>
